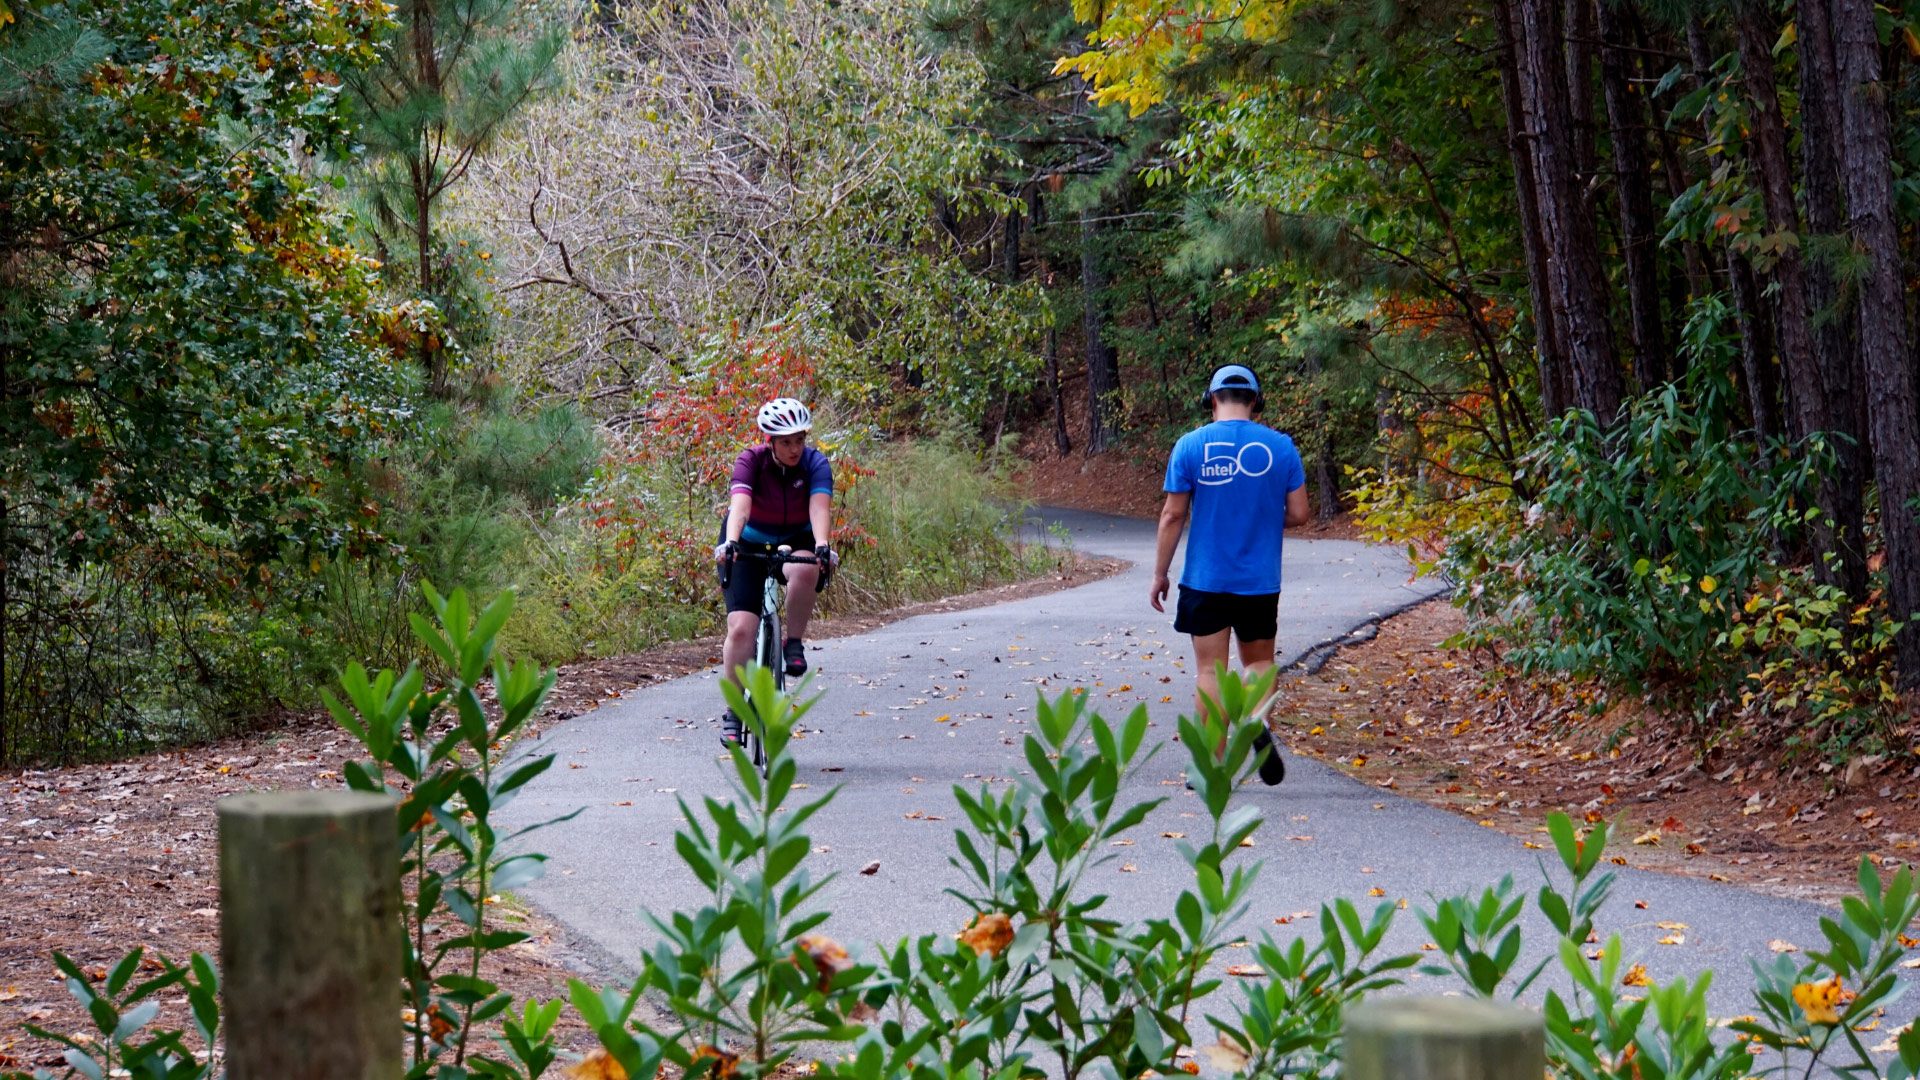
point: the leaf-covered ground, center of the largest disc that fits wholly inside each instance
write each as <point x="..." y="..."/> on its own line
<point x="1437" y="725"/>
<point x="98" y="859"/>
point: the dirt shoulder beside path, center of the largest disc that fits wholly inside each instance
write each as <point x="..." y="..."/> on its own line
<point x="1437" y="725"/>
<point x="97" y="859"/>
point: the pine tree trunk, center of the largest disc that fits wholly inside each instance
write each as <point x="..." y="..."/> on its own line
<point x="1573" y="254"/>
<point x="1555" y="395"/>
<point x="1103" y="373"/>
<point x="1010" y="247"/>
<point x="433" y="356"/>
<point x="1835" y="348"/>
<point x="1633" y="180"/>
<point x="1061" y="441"/>
<point x="1757" y="369"/>
<point x="1867" y="152"/>
<point x="1767" y="149"/>
<point x="1805" y="378"/>
<point x="1326" y="476"/>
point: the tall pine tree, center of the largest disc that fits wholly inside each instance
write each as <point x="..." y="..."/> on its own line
<point x="450" y="75"/>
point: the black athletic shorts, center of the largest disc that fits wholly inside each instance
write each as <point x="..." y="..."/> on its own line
<point x="1252" y="618"/>
<point x="749" y="576"/>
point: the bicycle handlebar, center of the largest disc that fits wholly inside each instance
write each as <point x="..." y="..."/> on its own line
<point x="778" y="557"/>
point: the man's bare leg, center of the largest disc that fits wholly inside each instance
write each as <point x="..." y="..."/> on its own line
<point x="1256" y="657"/>
<point x="1210" y="656"/>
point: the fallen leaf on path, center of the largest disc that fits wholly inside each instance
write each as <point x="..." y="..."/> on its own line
<point x="1173" y="835"/>
<point x="1225" y="1057"/>
<point x="1376" y="891"/>
<point x="1636" y="976"/>
<point x="1673" y="926"/>
<point x="1779" y="946"/>
<point x="1650" y="838"/>
<point x="1674" y="939"/>
<point x="1127" y="868"/>
<point x="871" y="868"/>
<point x="1891" y="1044"/>
<point x="1246" y="971"/>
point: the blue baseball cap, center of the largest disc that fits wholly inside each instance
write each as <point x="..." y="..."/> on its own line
<point x="1234" y="377"/>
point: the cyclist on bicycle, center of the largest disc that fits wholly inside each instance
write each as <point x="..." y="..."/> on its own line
<point x="782" y="494"/>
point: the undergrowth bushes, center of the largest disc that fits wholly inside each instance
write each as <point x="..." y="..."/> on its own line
<point x="630" y="564"/>
<point x="609" y="547"/>
<point x="1652" y="559"/>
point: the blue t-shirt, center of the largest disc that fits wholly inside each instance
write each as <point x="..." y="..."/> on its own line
<point x="1240" y="474"/>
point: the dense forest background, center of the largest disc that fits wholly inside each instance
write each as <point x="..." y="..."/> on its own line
<point x="1602" y="308"/>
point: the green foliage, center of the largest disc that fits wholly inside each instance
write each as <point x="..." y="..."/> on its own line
<point x="191" y="356"/>
<point x="122" y="1011"/>
<point x="443" y="753"/>
<point x="449" y="76"/>
<point x="1649" y="560"/>
<point x="934" y="519"/>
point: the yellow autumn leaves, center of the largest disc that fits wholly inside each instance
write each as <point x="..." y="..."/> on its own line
<point x="1135" y="43"/>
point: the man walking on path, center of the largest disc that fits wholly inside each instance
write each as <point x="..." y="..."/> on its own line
<point x="1242" y="483"/>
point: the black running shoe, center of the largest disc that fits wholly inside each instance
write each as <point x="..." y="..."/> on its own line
<point x="731" y="729"/>
<point x="1272" y="768"/>
<point x="796" y="653"/>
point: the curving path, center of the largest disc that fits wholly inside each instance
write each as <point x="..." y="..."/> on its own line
<point x="920" y="705"/>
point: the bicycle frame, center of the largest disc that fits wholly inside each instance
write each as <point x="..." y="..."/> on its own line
<point x="767" y="640"/>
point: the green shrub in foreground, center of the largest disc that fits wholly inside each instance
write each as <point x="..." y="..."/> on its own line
<point x="1042" y="978"/>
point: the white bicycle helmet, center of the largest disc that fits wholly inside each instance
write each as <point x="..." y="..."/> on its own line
<point x="784" y="416"/>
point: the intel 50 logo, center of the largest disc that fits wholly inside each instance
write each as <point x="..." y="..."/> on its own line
<point x="1222" y="462"/>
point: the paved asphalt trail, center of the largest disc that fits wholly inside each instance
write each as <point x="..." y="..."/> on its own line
<point x="879" y="730"/>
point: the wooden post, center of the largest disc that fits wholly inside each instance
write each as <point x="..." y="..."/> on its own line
<point x="310" y="939"/>
<point x="1444" y="1038"/>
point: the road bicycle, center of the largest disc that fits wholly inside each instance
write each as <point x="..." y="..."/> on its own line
<point x="767" y="642"/>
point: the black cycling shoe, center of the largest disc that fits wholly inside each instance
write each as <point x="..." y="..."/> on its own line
<point x="731" y="729"/>
<point x="1272" y="768"/>
<point x="796" y="653"/>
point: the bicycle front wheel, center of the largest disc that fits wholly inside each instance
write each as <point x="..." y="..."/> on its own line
<point x="768" y="654"/>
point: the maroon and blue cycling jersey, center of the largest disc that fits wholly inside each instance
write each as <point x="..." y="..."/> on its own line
<point x="780" y="495"/>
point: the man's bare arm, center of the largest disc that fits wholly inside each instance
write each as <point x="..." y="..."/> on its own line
<point x="1298" y="510"/>
<point x="1173" y="521"/>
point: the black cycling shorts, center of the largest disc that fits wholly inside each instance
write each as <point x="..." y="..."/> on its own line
<point x="749" y="576"/>
<point x="1252" y="618"/>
